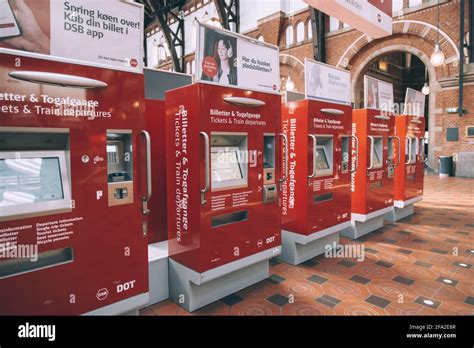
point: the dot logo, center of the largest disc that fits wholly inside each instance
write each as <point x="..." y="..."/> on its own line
<point x="259" y="243"/>
<point x="102" y="294"/>
<point x="133" y="63"/>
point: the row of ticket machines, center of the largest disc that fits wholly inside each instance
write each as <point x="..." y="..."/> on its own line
<point x="228" y="178"/>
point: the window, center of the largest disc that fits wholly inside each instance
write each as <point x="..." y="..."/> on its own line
<point x="470" y="131"/>
<point x="193" y="67"/>
<point x="300" y="32"/>
<point x="261" y="39"/>
<point x="289" y="35"/>
<point x="310" y="29"/>
<point x="397" y="5"/>
<point x="333" y="24"/>
<point x="413" y="3"/>
<point x="188" y="68"/>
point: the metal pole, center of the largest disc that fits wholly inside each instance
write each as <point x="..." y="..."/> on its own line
<point x="471" y="31"/>
<point x="461" y="59"/>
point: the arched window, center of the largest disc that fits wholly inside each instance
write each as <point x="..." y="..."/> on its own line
<point x="310" y="29"/>
<point x="397" y="5"/>
<point x="333" y="24"/>
<point x="261" y="39"/>
<point x="300" y="32"/>
<point x="289" y="35"/>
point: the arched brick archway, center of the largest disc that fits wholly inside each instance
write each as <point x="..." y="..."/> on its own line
<point x="421" y="46"/>
<point x="294" y="67"/>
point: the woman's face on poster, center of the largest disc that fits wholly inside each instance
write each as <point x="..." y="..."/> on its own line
<point x="222" y="50"/>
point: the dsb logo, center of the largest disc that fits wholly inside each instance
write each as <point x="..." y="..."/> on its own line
<point x="125" y="286"/>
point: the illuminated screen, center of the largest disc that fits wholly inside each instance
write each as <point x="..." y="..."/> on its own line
<point x="111" y="148"/>
<point x="31" y="180"/>
<point x="225" y="166"/>
<point x="321" y="160"/>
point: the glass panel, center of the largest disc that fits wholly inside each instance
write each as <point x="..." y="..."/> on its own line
<point x="30" y="180"/>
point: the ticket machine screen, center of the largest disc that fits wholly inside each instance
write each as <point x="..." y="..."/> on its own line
<point x="321" y="160"/>
<point x="229" y="161"/>
<point x="30" y="180"/>
<point x="225" y="165"/>
<point x="377" y="162"/>
<point x="34" y="173"/>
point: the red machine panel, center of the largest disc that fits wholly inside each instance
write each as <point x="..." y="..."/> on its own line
<point x="155" y="114"/>
<point x="409" y="174"/>
<point x="372" y="183"/>
<point x="317" y="194"/>
<point x="223" y="174"/>
<point x="71" y="187"/>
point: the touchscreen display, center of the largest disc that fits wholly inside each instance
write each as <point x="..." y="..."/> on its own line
<point x="321" y="160"/>
<point x="377" y="162"/>
<point x="225" y="166"/>
<point x="31" y="180"/>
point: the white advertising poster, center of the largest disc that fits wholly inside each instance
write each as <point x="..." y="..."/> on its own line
<point x="101" y="32"/>
<point x="372" y="17"/>
<point x="327" y="83"/>
<point x="229" y="59"/>
<point x="414" y="103"/>
<point x="378" y="94"/>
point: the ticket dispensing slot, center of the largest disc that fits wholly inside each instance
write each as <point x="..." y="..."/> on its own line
<point x="324" y="155"/>
<point x="34" y="172"/>
<point x="269" y="182"/>
<point x="119" y="167"/>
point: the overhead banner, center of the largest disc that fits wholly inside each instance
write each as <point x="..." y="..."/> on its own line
<point x="326" y="83"/>
<point x="414" y="103"/>
<point x="372" y="17"/>
<point x="102" y="32"/>
<point x="378" y="94"/>
<point x="229" y="59"/>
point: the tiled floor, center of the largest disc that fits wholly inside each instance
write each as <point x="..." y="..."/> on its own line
<point x="422" y="265"/>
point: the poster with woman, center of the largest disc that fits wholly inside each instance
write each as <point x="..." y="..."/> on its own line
<point x="414" y="103"/>
<point x="378" y="94"/>
<point x="219" y="63"/>
<point x="230" y="59"/>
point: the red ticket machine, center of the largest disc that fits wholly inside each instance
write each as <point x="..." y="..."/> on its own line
<point x="157" y="82"/>
<point x="316" y="199"/>
<point x="372" y="183"/>
<point x="73" y="188"/>
<point x="223" y="183"/>
<point x="409" y="175"/>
